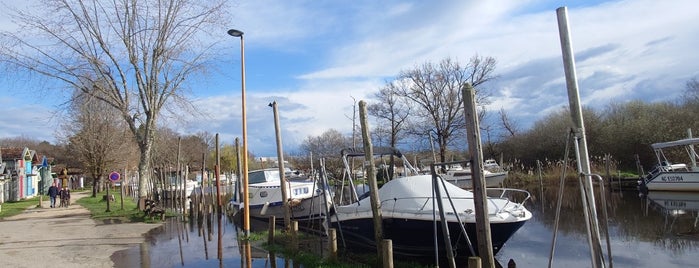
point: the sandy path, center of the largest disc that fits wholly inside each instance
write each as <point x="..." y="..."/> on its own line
<point x="64" y="237"/>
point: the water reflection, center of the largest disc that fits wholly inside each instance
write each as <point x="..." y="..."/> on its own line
<point x="191" y="244"/>
<point x="661" y="225"/>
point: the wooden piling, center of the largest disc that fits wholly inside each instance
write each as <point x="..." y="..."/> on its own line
<point x="387" y="255"/>
<point x="371" y="176"/>
<point x="294" y="236"/>
<point x="332" y="243"/>
<point x="474" y="262"/>
<point x="272" y="227"/>
<point x="480" y="199"/>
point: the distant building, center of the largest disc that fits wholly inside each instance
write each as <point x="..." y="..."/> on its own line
<point x="23" y="174"/>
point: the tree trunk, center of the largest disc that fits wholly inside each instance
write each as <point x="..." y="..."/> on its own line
<point x="144" y="165"/>
<point x="95" y="182"/>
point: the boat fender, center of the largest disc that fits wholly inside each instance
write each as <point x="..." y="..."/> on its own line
<point x="263" y="211"/>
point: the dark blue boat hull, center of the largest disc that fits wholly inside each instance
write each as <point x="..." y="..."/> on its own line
<point x="416" y="237"/>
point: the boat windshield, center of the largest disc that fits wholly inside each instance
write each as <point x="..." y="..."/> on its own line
<point x="260" y="176"/>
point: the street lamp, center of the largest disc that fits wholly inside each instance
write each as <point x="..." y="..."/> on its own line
<point x="246" y="205"/>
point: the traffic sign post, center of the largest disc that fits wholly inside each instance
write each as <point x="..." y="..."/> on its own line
<point x="113" y="177"/>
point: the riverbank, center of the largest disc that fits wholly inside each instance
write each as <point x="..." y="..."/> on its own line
<point x="65" y="237"/>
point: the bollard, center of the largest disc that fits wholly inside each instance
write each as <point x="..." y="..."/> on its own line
<point x="474" y="262"/>
<point x="294" y="236"/>
<point x="272" y="227"/>
<point x="332" y="243"/>
<point x="387" y="246"/>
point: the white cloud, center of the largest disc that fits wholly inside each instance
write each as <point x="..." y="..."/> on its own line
<point x="633" y="49"/>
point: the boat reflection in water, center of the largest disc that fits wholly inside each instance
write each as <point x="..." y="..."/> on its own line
<point x="678" y="209"/>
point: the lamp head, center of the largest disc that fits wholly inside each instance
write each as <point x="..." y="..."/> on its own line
<point x="236" y="33"/>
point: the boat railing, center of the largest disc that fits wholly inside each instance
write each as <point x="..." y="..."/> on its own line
<point x="505" y="193"/>
<point x="425" y="200"/>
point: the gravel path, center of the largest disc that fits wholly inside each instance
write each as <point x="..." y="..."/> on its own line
<point x="64" y="237"/>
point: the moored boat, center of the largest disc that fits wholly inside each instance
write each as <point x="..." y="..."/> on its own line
<point x="409" y="212"/>
<point x="668" y="176"/>
<point x="409" y="215"/>
<point x="306" y="199"/>
<point x="461" y="177"/>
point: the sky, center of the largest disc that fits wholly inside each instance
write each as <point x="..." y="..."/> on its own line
<point x="317" y="59"/>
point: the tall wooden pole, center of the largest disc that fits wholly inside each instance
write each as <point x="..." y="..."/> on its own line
<point x="218" y="176"/>
<point x="583" y="160"/>
<point x="179" y="174"/>
<point x="480" y="198"/>
<point x="371" y="176"/>
<point x="280" y="159"/>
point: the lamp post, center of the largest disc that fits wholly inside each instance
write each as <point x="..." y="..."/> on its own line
<point x="246" y="206"/>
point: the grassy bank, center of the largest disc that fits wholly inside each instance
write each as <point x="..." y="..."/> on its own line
<point x="12" y="208"/>
<point x="98" y="208"/>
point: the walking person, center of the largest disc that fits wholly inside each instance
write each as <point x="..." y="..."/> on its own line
<point x="65" y="197"/>
<point x="53" y="192"/>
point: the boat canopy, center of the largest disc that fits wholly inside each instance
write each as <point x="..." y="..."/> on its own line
<point x="682" y="142"/>
<point x="411" y="193"/>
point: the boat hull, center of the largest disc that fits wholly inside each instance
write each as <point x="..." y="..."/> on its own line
<point x="304" y="209"/>
<point x="414" y="237"/>
<point x="674" y="181"/>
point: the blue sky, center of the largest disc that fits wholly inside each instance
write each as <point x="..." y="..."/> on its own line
<point x="316" y="57"/>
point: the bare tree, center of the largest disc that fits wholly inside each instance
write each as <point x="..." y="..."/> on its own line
<point x="509" y="126"/>
<point x="691" y="91"/>
<point x="98" y="137"/>
<point x="391" y="110"/>
<point x="436" y="91"/>
<point x="141" y="51"/>
<point x="327" y="145"/>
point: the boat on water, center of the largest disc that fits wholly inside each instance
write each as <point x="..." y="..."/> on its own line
<point x="410" y="213"/>
<point x="461" y="177"/>
<point x="306" y="199"/>
<point x="668" y="176"/>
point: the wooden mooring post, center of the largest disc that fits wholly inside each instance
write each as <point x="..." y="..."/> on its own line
<point x="387" y="255"/>
<point x="480" y="199"/>
<point x="272" y="228"/>
<point x="332" y="244"/>
<point x="474" y="262"/>
<point x="294" y="236"/>
<point x="371" y="176"/>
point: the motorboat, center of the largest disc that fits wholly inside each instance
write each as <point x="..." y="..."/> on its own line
<point x="461" y="177"/>
<point x="306" y="199"/>
<point x="409" y="213"/>
<point x="669" y="176"/>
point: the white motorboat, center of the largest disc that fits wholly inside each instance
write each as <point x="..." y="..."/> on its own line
<point x="306" y="199"/>
<point x="409" y="216"/>
<point x="461" y="177"/>
<point x="668" y="176"/>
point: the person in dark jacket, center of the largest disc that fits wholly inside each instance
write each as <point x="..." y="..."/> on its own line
<point x="65" y="197"/>
<point x="53" y="192"/>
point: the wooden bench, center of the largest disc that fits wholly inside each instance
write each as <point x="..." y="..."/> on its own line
<point x="153" y="209"/>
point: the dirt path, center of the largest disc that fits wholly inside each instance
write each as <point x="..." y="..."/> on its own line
<point x="64" y="237"/>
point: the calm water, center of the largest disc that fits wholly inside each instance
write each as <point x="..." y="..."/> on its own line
<point x="658" y="231"/>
